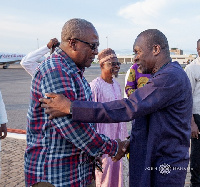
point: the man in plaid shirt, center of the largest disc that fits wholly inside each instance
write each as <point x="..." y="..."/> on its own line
<point x="60" y="152"/>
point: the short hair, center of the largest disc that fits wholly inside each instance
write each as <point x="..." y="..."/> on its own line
<point x="155" y="37"/>
<point x="198" y="41"/>
<point x="75" y="28"/>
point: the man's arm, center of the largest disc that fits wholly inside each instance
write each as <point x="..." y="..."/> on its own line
<point x="3" y="131"/>
<point x="191" y="75"/>
<point x="157" y="94"/>
<point x="194" y="129"/>
<point x="153" y="96"/>
<point x="3" y="119"/>
<point x="31" y="61"/>
<point x="82" y="135"/>
<point x="131" y="84"/>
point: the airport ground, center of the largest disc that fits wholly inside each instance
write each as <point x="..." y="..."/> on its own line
<point x="15" y="87"/>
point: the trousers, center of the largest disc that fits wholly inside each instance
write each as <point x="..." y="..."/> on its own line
<point x="46" y="184"/>
<point x="195" y="156"/>
<point x="43" y="184"/>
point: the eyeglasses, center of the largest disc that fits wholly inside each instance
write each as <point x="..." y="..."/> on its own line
<point x="93" y="46"/>
<point x="113" y="64"/>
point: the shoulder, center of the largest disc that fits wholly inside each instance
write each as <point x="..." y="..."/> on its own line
<point x="54" y="65"/>
<point x="134" y="66"/>
<point x="173" y="74"/>
<point x="95" y="83"/>
<point x="96" y="80"/>
<point x="190" y="68"/>
<point x="48" y="65"/>
<point x="193" y="70"/>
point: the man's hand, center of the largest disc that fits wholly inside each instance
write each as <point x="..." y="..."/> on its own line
<point x="52" y="43"/>
<point x="194" y="129"/>
<point x="98" y="164"/>
<point x="122" y="149"/>
<point x="3" y="129"/>
<point x="56" y="106"/>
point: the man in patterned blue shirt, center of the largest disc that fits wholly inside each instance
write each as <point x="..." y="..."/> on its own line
<point x="61" y="152"/>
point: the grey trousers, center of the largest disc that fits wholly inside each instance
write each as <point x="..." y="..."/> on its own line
<point x="195" y="156"/>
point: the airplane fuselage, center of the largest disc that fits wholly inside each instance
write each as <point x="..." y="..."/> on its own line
<point x="9" y="58"/>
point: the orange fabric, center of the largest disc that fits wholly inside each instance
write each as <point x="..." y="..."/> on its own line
<point x="18" y="131"/>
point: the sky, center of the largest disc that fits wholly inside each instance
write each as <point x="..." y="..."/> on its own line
<point x="26" y="25"/>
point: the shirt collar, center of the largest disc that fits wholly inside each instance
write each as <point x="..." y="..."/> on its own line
<point x="198" y="58"/>
<point x="69" y="61"/>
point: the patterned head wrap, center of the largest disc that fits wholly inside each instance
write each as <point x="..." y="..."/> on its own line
<point x="106" y="55"/>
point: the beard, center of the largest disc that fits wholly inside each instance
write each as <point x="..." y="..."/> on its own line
<point x="114" y="73"/>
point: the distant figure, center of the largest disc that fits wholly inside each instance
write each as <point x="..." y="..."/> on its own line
<point x="30" y="61"/>
<point x="3" y="121"/>
<point x="136" y="79"/>
<point x="193" y="72"/>
<point x="104" y="89"/>
<point x="188" y="61"/>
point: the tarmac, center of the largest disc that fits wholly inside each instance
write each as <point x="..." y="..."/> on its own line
<point x="12" y="162"/>
<point x="15" y="88"/>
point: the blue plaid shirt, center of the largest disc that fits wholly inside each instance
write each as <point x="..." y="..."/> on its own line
<point x="61" y="151"/>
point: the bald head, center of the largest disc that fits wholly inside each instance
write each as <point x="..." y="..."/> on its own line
<point x="76" y="28"/>
<point x="151" y="51"/>
<point x="155" y="37"/>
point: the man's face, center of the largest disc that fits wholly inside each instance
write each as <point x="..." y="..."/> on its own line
<point x="143" y="55"/>
<point x="111" y="67"/>
<point x="198" y="48"/>
<point x="85" y="53"/>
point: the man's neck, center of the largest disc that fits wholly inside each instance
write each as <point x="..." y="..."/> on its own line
<point x="161" y="65"/>
<point x="108" y="79"/>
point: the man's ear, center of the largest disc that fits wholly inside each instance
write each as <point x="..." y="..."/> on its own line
<point x="101" y="65"/>
<point x="156" y="49"/>
<point x="73" y="44"/>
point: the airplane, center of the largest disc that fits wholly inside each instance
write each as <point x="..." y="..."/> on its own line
<point x="10" y="58"/>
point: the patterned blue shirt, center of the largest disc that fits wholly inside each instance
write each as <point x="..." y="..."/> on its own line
<point x="61" y="151"/>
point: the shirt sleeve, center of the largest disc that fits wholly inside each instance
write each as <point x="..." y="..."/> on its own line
<point x="30" y="61"/>
<point x="3" y="115"/>
<point x="94" y="89"/>
<point x="82" y="135"/>
<point x="156" y="94"/>
<point x="131" y="84"/>
<point x="191" y="75"/>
